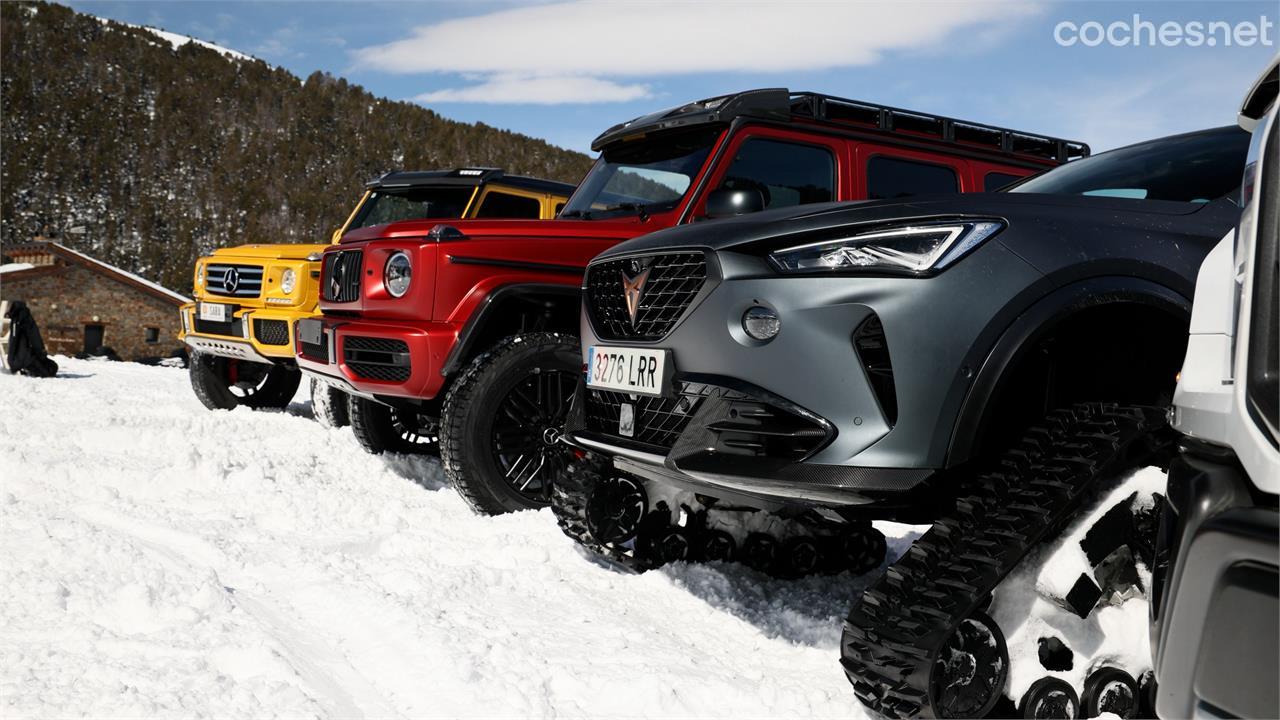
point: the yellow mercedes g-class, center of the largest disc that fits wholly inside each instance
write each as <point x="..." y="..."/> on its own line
<point x="239" y="329"/>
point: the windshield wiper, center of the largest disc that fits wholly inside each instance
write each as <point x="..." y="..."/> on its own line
<point x="640" y="209"/>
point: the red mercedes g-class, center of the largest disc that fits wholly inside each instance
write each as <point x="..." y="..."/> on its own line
<point x="465" y="331"/>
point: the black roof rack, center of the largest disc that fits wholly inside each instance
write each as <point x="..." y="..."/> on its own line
<point x="782" y="105"/>
<point x="468" y="177"/>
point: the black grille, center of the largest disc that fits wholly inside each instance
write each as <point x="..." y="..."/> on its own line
<point x="211" y="327"/>
<point x="316" y="352"/>
<point x="233" y="280"/>
<point x="658" y="420"/>
<point x="271" y="332"/>
<point x="340" y="280"/>
<point x="672" y="282"/>
<point x="377" y="358"/>
<point x="873" y="349"/>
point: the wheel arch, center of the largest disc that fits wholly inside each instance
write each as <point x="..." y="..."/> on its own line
<point x="1062" y="311"/>
<point x="506" y="310"/>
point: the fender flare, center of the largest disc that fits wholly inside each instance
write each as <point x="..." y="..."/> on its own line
<point x="488" y="309"/>
<point x="1032" y="325"/>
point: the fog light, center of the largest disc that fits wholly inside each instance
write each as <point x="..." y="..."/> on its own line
<point x="761" y="323"/>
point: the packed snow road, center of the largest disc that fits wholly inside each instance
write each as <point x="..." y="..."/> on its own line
<point x="159" y="559"/>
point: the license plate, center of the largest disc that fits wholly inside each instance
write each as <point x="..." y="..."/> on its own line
<point x="309" y="331"/>
<point x="214" y="312"/>
<point x="635" y="371"/>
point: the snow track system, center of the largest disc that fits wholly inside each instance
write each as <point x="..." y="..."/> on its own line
<point x="905" y="642"/>
<point x="611" y="514"/>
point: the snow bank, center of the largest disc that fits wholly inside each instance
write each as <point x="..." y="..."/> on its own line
<point x="15" y="267"/>
<point x="163" y="560"/>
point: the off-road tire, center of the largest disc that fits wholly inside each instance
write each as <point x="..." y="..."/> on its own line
<point x="210" y="379"/>
<point x="329" y="405"/>
<point x="897" y="628"/>
<point x="467" y="448"/>
<point x="377" y="429"/>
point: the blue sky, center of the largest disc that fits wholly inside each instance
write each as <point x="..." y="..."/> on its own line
<point x="564" y="71"/>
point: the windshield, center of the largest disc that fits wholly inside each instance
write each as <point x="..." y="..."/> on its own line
<point x="387" y="205"/>
<point x="642" y="177"/>
<point x="1197" y="167"/>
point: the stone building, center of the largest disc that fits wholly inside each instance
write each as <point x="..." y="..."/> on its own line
<point x="84" y="305"/>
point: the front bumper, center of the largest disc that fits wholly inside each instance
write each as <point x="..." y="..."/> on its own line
<point x="1215" y="586"/>
<point x="876" y="416"/>
<point x="375" y="358"/>
<point x="263" y="335"/>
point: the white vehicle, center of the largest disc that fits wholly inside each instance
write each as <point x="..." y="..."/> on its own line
<point x="1215" y="584"/>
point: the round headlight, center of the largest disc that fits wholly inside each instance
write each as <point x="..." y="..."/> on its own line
<point x="397" y="274"/>
<point x="761" y="323"/>
<point x="288" y="279"/>
<point x="199" y="274"/>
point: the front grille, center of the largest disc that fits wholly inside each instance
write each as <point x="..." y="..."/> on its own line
<point x="672" y="282"/>
<point x="210" y="327"/>
<point x="659" y="421"/>
<point x="377" y="358"/>
<point x="243" y="281"/>
<point x="340" y="279"/>
<point x="313" y="351"/>
<point x="271" y="332"/>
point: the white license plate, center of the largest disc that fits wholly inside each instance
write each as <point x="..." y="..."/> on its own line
<point x="635" y="371"/>
<point x="213" y="312"/>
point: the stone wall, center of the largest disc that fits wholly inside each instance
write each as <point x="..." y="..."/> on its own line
<point x="66" y="298"/>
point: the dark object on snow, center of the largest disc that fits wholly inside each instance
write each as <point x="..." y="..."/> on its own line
<point x="1115" y="528"/>
<point x="1083" y="596"/>
<point x="1117" y="575"/>
<point x="27" y="355"/>
<point x="102" y="351"/>
<point x="1055" y="655"/>
<point x="1110" y="690"/>
<point x="1050" y="698"/>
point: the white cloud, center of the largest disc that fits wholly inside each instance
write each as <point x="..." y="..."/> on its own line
<point x="567" y="43"/>
<point x="541" y="90"/>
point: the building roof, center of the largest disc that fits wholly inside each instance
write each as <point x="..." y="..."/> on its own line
<point x="16" y="270"/>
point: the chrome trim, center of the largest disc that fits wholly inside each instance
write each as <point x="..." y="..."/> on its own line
<point x="613" y="450"/>
<point x="233" y="349"/>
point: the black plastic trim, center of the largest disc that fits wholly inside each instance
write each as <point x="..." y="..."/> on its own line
<point x="467" y="336"/>
<point x="518" y="264"/>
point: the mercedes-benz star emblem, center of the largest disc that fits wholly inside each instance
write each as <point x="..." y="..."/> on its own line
<point x="632" y="289"/>
<point x="231" y="281"/>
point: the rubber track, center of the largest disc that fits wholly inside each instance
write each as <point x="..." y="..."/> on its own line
<point x="569" y="503"/>
<point x="895" y="631"/>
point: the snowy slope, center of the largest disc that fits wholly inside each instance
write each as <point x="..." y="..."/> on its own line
<point x="160" y="559"/>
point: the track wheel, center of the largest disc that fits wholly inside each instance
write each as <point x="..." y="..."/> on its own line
<point x="861" y="549"/>
<point x="800" y="556"/>
<point x="716" y="546"/>
<point x="1050" y="699"/>
<point x="1110" y="690"/>
<point x="615" y="509"/>
<point x="759" y="552"/>
<point x="668" y="545"/>
<point x="970" y="670"/>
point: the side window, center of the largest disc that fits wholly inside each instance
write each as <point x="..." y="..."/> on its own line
<point x="996" y="180"/>
<point x="153" y="335"/>
<point x="785" y="173"/>
<point x="502" y="205"/>
<point x="559" y="207"/>
<point x="894" y="178"/>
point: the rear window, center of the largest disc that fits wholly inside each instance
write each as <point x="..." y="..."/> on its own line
<point x="503" y="205"/>
<point x="1197" y="168"/>
<point x="889" y="177"/>
<point x="393" y="205"/>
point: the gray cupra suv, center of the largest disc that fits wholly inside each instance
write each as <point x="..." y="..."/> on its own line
<point x="758" y="389"/>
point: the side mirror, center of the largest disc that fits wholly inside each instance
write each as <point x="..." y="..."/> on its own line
<point x="728" y="202"/>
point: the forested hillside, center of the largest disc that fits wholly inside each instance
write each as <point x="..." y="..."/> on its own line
<point x="161" y="154"/>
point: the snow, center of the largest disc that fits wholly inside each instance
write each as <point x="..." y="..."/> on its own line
<point x="15" y="267"/>
<point x="177" y="41"/>
<point x="163" y="560"/>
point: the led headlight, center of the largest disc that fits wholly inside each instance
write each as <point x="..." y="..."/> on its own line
<point x="288" y="280"/>
<point x="913" y="249"/>
<point x="397" y="274"/>
<point x="761" y="323"/>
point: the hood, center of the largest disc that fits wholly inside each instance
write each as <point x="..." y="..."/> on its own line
<point x="268" y="252"/>
<point x="533" y="229"/>
<point x="747" y="229"/>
